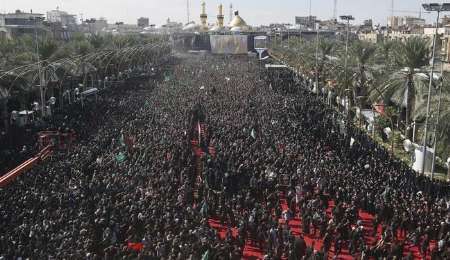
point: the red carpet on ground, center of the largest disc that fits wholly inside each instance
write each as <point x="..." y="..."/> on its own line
<point x="252" y="252"/>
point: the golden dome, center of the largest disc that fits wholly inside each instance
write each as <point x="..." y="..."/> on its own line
<point x="238" y="21"/>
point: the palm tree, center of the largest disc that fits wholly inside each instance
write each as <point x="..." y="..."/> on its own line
<point x="8" y="83"/>
<point x="12" y="54"/>
<point x="384" y="55"/>
<point x="443" y="130"/>
<point x="443" y="122"/>
<point x="405" y="87"/>
<point x="97" y="41"/>
<point x="362" y="53"/>
<point x="325" y="50"/>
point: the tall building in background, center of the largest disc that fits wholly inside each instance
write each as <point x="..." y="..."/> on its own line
<point x="94" y="26"/>
<point x="306" y="21"/>
<point x="143" y="22"/>
<point x="405" y="22"/>
<point x="21" y="23"/>
<point x="66" y="19"/>
<point x="62" y="24"/>
<point x="204" y="17"/>
<point x="394" y="22"/>
<point x="412" y="21"/>
<point x="445" y="20"/>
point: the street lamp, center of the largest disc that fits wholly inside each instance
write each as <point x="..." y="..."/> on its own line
<point x="317" y="54"/>
<point x="347" y="18"/>
<point x="433" y="165"/>
<point x="448" y="167"/>
<point x="41" y="85"/>
<point x="434" y="7"/>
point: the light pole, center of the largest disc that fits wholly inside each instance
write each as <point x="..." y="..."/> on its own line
<point x="433" y="165"/>
<point x="448" y="169"/>
<point x="40" y="72"/>
<point x="347" y="18"/>
<point x="317" y="55"/>
<point x="434" y="7"/>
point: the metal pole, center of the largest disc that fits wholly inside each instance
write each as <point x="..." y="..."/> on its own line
<point x="40" y="76"/>
<point x="437" y="122"/>
<point x="288" y="36"/>
<point x="317" y="59"/>
<point x="310" y="8"/>
<point x="424" y="150"/>
<point x="346" y="64"/>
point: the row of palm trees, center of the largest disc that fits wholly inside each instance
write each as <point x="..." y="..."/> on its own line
<point x="31" y="65"/>
<point x="393" y="73"/>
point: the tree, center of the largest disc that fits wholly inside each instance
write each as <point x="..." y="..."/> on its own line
<point x="96" y="41"/>
<point x="443" y="122"/>
<point x="325" y="49"/>
<point x="361" y="53"/>
<point x="8" y="83"/>
<point x="405" y="87"/>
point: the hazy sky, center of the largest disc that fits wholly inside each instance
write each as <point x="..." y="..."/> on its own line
<point x="255" y="12"/>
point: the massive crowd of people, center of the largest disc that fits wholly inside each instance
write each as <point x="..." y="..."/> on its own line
<point x="128" y="189"/>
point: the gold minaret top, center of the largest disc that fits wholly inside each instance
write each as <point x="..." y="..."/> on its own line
<point x="220" y="17"/>
<point x="204" y="17"/>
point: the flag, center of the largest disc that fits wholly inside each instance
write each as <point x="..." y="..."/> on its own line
<point x="130" y="141"/>
<point x="122" y="140"/>
<point x="135" y="246"/>
<point x="253" y="133"/>
<point x="199" y="132"/>
<point x="120" y="157"/>
<point x="281" y="148"/>
<point x="167" y="77"/>
<point x="206" y="255"/>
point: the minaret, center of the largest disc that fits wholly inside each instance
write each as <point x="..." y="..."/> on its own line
<point x="188" y="12"/>
<point x="231" y="12"/>
<point x="204" y="17"/>
<point x="220" y="17"/>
